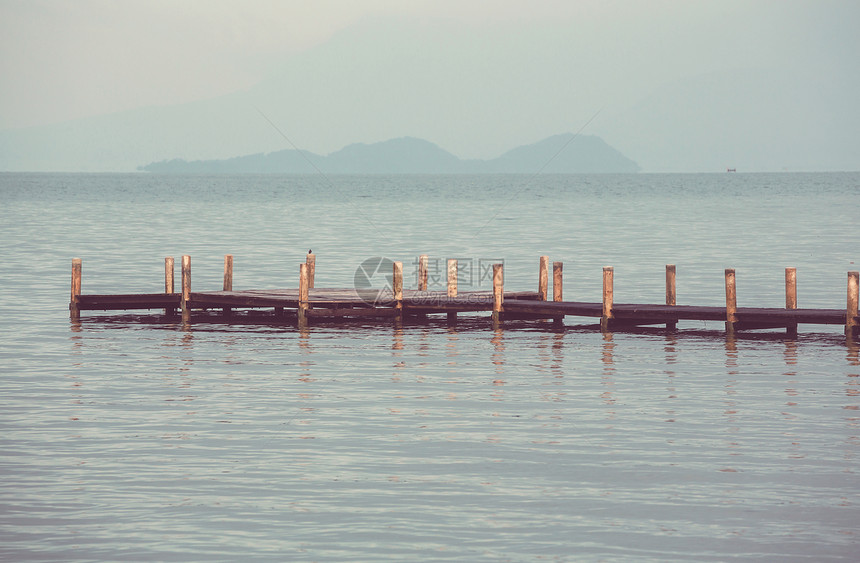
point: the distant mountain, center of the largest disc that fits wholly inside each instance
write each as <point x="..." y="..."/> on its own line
<point x="566" y="153"/>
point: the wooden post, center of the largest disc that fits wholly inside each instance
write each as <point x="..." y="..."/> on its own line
<point x="303" y="295"/>
<point x="74" y="311"/>
<point x="851" y="310"/>
<point x="423" y="266"/>
<point x="186" y="287"/>
<point x="452" y="285"/>
<point x="228" y="272"/>
<point x="557" y="282"/>
<point x="543" y="278"/>
<point x="397" y="283"/>
<point x="169" y="285"/>
<point x="557" y="288"/>
<point x="670" y="293"/>
<point x="731" y="301"/>
<point x="498" y="293"/>
<point x="608" y="282"/>
<point x="311" y="261"/>
<point x="228" y="278"/>
<point x="791" y="298"/>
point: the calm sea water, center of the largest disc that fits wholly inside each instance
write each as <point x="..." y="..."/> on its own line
<point x="127" y="437"/>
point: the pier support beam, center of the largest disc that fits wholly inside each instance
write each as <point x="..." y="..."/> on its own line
<point x="498" y="293"/>
<point x="186" y="287"/>
<point x="452" y="286"/>
<point x="791" y="298"/>
<point x="397" y="286"/>
<point x="671" y="296"/>
<point x="74" y="311"/>
<point x="557" y="288"/>
<point x="423" y="266"/>
<point x="608" y="283"/>
<point x="731" y="301"/>
<point x="543" y="278"/>
<point x="302" y="312"/>
<point x="311" y="261"/>
<point x="228" y="279"/>
<point x="851" y="328"/>
<point x="169" y="285"/>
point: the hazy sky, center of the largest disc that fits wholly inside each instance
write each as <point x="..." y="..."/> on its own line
<point x="562" y="61"/>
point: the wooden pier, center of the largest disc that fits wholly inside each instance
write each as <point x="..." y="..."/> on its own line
<point x="307" y="302"/>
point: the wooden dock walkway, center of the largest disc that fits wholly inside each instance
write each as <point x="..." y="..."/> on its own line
<point x="307" y="302"/>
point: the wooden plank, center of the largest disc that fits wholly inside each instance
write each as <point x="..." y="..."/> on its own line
<point x="120" y="302"/>
<point x="241" y="299"/>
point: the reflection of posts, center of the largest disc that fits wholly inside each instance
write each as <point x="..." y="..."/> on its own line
<point x="498" y="357"/>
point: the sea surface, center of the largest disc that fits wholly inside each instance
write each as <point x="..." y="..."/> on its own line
<point x="132" y="437"/>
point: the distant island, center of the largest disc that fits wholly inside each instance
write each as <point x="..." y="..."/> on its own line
<point x="559" y="154"/>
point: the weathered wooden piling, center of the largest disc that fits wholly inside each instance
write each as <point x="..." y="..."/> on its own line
<point x="228" y="278"/>
<point x="302" y="311"/>
<point x="606" y="317"/>
<point x="397" y="286"/>
<point x="423" y="267"/>
<point x="498" y="293"/>
<point x="311" y="261"/>
<point x="558" y="288"/>
<point x="186" y="287"/>
<point x="74" y="311"/>
<point x="851" y="309"/>
<point x="543" y="278"/>
<point x="452" y="286"/>
<point x="169" y="285"/>
<point x="731" y="301"/>
<point x="671" y="296"/>
<point x="791" y="298"/>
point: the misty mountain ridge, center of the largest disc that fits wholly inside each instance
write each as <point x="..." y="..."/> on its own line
<point x="559" y="154"/>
